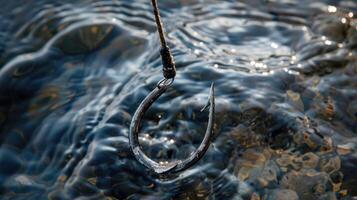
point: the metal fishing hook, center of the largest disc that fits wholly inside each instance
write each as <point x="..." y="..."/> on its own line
<point x="169" y="72"/>
<point x="174" y="166"/>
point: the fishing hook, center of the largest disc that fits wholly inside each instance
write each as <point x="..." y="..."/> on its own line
<point x="174" y="166"/>
<point x="169" y="72"/>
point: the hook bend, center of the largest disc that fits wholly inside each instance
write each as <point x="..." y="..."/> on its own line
<point x="177" y="165"/>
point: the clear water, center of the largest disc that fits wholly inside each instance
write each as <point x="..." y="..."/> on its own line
<point x="72" y="74"/>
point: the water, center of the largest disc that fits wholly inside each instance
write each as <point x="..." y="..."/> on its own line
<point x="73" y="73"/>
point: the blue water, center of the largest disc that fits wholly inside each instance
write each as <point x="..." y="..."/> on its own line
<point x="72" y="74"/>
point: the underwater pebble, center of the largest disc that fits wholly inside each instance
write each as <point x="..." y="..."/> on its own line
<point x="330" y="26"/>
<point x="281" y="194"/>
<point x="344" y="149"/>
<point x="336" y="178"/>
<point x="243" y="173"/>
<point x="330" y="164"/>
<point x="255" y="196"/>
<point x="309" y="160"/>
<point x="303" y="181"/>
<point x="328" y="196"/>
<point x="295" y="100"/>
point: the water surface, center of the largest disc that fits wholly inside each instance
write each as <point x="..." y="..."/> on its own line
<point x="72" y="74"/>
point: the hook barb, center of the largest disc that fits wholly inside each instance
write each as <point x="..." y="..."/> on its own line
<point x="211" y="95"/>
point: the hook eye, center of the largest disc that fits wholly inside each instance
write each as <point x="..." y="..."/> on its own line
<point x="166" y="82"/>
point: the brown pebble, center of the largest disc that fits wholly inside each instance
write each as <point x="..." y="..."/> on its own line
<point x="281" y="194"/>
<point x="343" y="149"/>
<point x="309" y="160"/>
<point x="304" y="182"/>
<point x="62" y="179"/>
<point x="343" y="193"/>
<point x="92" y="181"/>
<point x="329" y="110"/>
<point x="255" y="196"/>
<point x="243" y="173"/>
<point x="331" y="164"/>
<point x="263" y="182"/>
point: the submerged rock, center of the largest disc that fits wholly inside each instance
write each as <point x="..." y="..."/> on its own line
<point x="281" y="194"/>
<point x="309" y="184"/>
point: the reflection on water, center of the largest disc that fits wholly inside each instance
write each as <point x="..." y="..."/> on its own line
<point x="73" y="73"/>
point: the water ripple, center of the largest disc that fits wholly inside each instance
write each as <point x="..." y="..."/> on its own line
<point x="73" y="74"/>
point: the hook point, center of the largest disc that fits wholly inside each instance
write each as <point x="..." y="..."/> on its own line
<point x="211" y="95"/>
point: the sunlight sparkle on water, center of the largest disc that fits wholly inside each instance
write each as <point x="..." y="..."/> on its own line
<point x="274" y="45"/>
<point x="328" y="42"/>
<point x="331" y="9"/>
